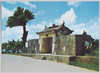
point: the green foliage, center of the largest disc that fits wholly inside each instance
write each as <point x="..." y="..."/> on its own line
<point x="95" y="44"/>
<point x="94" y="53"/>
<point x="12" y="45"/>
<point x="20" y="17"/>
<point x="84" y="65"/>
<point x="94" y="49"/>
<point x="4" y="45"/>
<point x="91" y="45"/>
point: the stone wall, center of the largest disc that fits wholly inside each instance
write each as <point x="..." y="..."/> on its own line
<point x="71" y="44"/>
<point x="65" y="59"/>
<point x="33" y="46"/>
<point x="58" y="58"/>
<point x="65" y="45"/>
<point x="80" y="50"/>
<point x="80" y="43"/>
<point x="86" y="59"/>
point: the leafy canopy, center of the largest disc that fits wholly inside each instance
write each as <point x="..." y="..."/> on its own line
<point x="20" y="17"/>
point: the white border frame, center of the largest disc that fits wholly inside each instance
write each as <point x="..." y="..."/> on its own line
<point x="43" y="0"/>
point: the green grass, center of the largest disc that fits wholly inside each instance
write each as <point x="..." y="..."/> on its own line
<point x="9" y="53"/>
<point x="13" y="53"/>
<point x="88" y="66"/>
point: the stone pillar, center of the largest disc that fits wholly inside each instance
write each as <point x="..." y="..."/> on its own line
<point x="53" y="40"/>
<point x="40" y="42"/>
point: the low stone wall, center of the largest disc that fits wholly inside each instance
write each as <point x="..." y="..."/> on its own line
<point x="33" y="46"/>
<point x="86" y="59"/>
<point x="58" y="58"/>
<point x="65" y="59"/>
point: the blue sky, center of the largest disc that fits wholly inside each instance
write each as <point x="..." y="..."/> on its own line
<point x="78" y="16"/>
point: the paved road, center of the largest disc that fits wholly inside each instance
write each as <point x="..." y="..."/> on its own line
<point x="12" y="63"/>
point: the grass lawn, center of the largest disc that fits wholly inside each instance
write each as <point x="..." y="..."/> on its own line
<point x="88" y="66"/>
<point x="9" y="53"/>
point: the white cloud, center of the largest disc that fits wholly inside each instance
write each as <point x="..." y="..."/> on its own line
<point x="78" y="28"/>
<point x="24" y="2"/>
<point x="12" y="33"/>
<point x="6" y="12"/>
<point x="69" y="17"/>
<point x="39" y="13"/>
<point x="16" y="33"/>
<point x="37" y="28"/>
<point x="11" y="2"/>
<point x="75" y="3"/>
<point x="29" y="4"/>
<point x="92" y="28"/>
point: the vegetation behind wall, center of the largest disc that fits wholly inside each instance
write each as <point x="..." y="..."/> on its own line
<point x="12" y="47"/>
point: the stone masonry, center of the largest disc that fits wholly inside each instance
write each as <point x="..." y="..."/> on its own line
<point x="33" y="46"/>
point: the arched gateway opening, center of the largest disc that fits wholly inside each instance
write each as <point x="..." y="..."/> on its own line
<point x="46" y="45"/>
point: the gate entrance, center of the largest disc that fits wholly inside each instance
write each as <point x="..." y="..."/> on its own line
<point x="46" y="45"/>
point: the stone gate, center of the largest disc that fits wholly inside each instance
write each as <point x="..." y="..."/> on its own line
<point x="58" y="40"/>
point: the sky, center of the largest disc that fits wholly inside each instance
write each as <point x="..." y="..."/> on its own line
<point x="78" y="16"/>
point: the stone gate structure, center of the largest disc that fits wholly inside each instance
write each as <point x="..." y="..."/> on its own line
<point x="58" y="40"/>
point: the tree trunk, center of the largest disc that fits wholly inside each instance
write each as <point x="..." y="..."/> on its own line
<point x="24" y="36"/>
<point x="17" y="50"/>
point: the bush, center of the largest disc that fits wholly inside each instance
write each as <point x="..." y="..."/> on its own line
<point x="94" y="53"/>
<point x="93" y="50"/>
<point x="12" y="46"/>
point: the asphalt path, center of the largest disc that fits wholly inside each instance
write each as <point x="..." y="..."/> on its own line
<point x="13" y="63"/>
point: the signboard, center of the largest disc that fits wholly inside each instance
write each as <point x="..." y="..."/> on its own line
<point x="26" y="44"/>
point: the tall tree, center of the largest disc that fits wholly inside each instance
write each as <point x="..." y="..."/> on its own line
<point x="20" y="17"/>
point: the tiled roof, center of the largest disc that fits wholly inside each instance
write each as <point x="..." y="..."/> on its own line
<point x="53" y="27"/>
